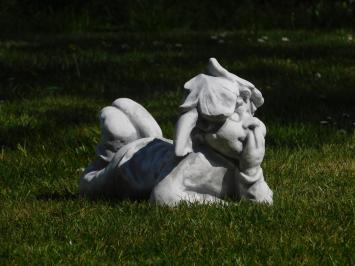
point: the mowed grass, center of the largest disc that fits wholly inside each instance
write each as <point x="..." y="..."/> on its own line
<point x="52" y="88"/>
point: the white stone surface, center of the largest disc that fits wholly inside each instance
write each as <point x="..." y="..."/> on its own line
<point x="216" y="153"/>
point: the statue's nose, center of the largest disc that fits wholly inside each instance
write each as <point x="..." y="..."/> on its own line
<point x="250" y="123"/>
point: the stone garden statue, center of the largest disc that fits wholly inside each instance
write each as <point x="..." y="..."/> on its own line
<point x="216" y="153"/>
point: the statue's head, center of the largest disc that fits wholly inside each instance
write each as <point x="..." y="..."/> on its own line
<point x="217" y="107"/>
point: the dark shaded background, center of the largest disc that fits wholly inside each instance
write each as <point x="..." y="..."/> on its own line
<point x="145" y="50"/>
<point x="48" y="16"/>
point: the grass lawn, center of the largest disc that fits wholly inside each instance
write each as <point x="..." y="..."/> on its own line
<point x="52" y="87"/>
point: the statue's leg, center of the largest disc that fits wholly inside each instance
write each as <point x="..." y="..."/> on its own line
<point x="122" y="123"/>
<point x="103" y="179"/>
<point x="116" y="131"/>
<point x="141" y="119"/>
<point x="94" y="182"/>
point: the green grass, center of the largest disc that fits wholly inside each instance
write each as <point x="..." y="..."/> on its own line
<point x="52" y="87"/>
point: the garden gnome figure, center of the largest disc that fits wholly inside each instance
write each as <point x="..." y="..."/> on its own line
<point x="216" y="153"/>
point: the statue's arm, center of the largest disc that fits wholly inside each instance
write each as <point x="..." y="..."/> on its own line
<point x="250" y="183"/>
<point x="192" y="180"/>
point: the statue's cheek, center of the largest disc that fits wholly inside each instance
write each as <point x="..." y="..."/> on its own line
<point x="232" y="131"/>
<point x="229" y="147"/>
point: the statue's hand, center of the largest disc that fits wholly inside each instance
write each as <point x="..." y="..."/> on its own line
<point x="254" y="146"/>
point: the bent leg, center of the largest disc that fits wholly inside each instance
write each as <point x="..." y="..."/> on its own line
<point x="141" y="119"/>
<point x="123" y="123"/>
<point x="102" y="179"/>
<point x="116" y="131"/>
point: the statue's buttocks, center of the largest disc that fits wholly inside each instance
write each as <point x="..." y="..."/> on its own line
<point x="146" y="161"/>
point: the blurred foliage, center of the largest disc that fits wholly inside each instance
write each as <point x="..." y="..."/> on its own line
<point x="48" y="16"/>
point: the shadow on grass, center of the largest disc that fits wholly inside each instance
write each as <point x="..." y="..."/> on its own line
<point x="307" y="45"/>
<point x="149" y="68"/>
<point x="98" y="66"/>
<point x="46" y="125"/>
<point x="68" y="116"/>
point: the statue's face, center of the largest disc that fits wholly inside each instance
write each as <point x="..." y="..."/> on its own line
<point x="228" y="139"/>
